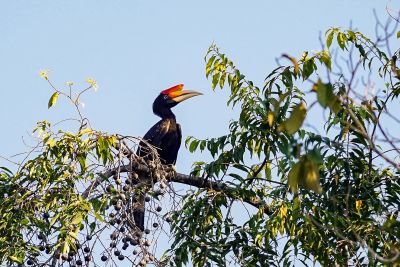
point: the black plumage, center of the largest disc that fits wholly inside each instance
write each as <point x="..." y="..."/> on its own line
<point x="165" y="136"/>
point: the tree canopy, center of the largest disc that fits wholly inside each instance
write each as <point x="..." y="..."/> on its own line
<point x="308" y="172"/>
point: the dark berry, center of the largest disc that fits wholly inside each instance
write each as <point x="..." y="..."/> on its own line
<point x="122" y="229"/>
<point x="29" y="262"/>
<point x="109" y="188"/>
<point x="121" y="257"/>
<point x="125" y="246"/>
<point x="88" y="258"/>
<point x="134" y="252"/>
<point x="117" y="253"/>
<point x="125" y="188"/>
<point x="111" y="215"/>
<point x="79" y="262"/>
<point x="147" y="231"/>
<point x="114" y="235"/>
<point x="86" y="249"/>
<point x="41" y="248"/>
<point x="104" y="258"/>
<point x="113" y="245"/>
<point x="155" y="225"/>
<point x="134" y="242"/>
<point x="158" y="208"/>
<point x="147" y="199"/>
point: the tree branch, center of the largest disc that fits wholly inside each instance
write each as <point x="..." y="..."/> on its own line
<point x="173" y="176"/>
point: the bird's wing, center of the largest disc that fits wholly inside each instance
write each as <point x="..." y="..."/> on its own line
<point x="179" y="135"/>
<point x="154" y="137"/>
<point x="156" y="133"/>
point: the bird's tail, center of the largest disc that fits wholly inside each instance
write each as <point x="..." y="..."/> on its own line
<point x="138" y="212"/>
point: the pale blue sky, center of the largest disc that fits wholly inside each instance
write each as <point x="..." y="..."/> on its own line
<point x="134" y="49"/>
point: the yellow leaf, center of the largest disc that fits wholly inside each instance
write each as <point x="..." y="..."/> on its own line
<point x="51" y="142"/>
<point x="44" y="74"/>
<point x="283" y="211"/>
<point x="358" y="205"/>
<point x="296" y="119"/>
<point x="304" y="173"/>
<point x="345" y="132"/>
<point x="293" y="177"/>
<point x="310" y="177"/>
<point x="270" y="118"/>
<point x="85" y="131"/>
<point x="77" y="219"/>
<point x="92" y="82"/>
<point x="294" y="62"/>
<point x="296" y="203"/>
<point x="53" y="99"/>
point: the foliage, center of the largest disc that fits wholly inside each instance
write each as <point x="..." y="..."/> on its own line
<point x="332" y="195"/>
<point x="282" y="187"/>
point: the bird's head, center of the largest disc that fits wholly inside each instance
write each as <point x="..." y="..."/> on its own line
<point x="171" y="97"/>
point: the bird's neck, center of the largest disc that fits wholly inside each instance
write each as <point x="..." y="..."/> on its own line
<point x="166" y="114"/>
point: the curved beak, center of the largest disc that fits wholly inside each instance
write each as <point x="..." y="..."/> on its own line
<point x="183" y="95"/>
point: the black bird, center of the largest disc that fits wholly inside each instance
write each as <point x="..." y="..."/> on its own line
<point x="165" y="135"/>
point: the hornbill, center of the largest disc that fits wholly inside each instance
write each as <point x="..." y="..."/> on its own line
<point x="165" y="135"/>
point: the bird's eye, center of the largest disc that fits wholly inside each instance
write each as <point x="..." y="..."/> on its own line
<point x="165" y="96"/>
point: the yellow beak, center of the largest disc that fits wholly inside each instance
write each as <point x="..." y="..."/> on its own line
<point x="185" y="94"/>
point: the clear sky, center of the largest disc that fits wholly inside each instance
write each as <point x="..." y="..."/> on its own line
<point x="135" y="49"/>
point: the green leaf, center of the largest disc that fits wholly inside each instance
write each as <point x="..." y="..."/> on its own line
<point x="304" y="173"/>
<point x="341" y="40"/>
<point x="293" y="177"/>
<point x="326" y="59"/>
<point x="215" y="81"/>
<point x="53" y="99"/>
<point x="398" y="35"/>
<point x="294" y="62"/>
<point x="308" y="68"/>
<point x="16" y="259"/>
<point x="296" y="119"/>
<point x="77" y="218"/>
<point x="222" y="80"/>
<point x="82" y="162"/>
<point x="310" y="175"/>
<point x="324" y="93"/>
<point x="98" y="216"/>
<point x="330" y="38"/>
<point x="193" y="146"/>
